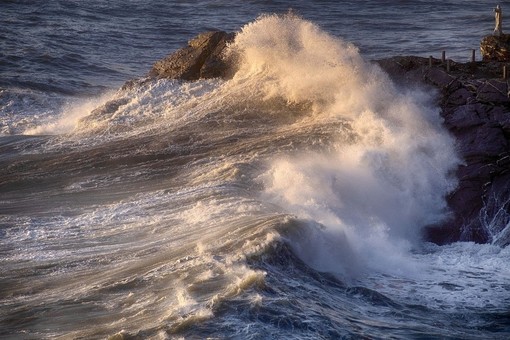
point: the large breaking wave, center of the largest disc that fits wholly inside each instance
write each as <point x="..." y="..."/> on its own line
<point x="175" y="204"/>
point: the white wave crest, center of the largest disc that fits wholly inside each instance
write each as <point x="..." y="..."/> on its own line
<point x="390" y="179"/>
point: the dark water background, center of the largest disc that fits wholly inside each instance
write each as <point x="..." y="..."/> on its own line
<point x="80" y="47"/>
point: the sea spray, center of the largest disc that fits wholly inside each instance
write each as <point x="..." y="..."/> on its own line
<point x="379" y="170"/>
<point x="382" y="178"/>
<point x="68" y="116"/>
<point x="163" y="215"/>
<point x="381" y="186"/>
<point x="288" y="57"/>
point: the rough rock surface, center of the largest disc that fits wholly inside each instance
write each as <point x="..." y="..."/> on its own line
<point x="202" y="58"/>
<point x="476" y="110"/>
<point x="495" y="48"/>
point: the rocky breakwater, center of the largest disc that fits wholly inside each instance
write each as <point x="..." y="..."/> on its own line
<point x="476" y="110"/>
<point x="475" y="106"/>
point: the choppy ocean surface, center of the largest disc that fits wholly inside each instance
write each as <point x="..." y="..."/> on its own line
<point x="285" y="203"/>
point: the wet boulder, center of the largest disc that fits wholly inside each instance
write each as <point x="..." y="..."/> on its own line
<point x="493" y="91"/>
<point x="475" y="107"/>
<point x="202" y="58"/>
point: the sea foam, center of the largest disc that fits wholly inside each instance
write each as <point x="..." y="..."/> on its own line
<point x="376" y="189"/>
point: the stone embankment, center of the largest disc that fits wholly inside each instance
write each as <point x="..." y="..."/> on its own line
<point x="475" y="107"/>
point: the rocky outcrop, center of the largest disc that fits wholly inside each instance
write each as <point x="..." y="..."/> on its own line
<point x="495" y="48"/>
<point x="202" y="58"/>
<point x="476" y="110"/>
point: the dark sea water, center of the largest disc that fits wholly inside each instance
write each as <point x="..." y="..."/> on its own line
<point x="285" y="203"/>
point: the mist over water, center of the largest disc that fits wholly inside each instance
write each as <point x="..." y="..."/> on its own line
<point x="287" y="201"/>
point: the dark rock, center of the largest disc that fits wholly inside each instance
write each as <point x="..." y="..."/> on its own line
<point x="459" y="97"/>
<point x="441" y="79"/>
<point x="486" y="140"/>
<point x="404" y="69"/>
<point x="495" y="48"/>
<point x="494" y="215"/>
<point x="464" y="116"/>
<point x="107" y="109"/>
<point x="216" y="65"/>
<point x="476" y="110"/>
<point x="493" y="91"/>
<point x="202" y="58"/>
<point x="501" y="115"/>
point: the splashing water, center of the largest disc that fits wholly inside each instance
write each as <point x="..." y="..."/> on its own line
<point x="378" y="187"/>
<point x="178" y="209"/>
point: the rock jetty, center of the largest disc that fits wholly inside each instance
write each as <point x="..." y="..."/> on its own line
<point x="476" y="110"/>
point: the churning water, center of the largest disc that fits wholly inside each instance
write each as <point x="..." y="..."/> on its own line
<point x="286" y="202"/>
